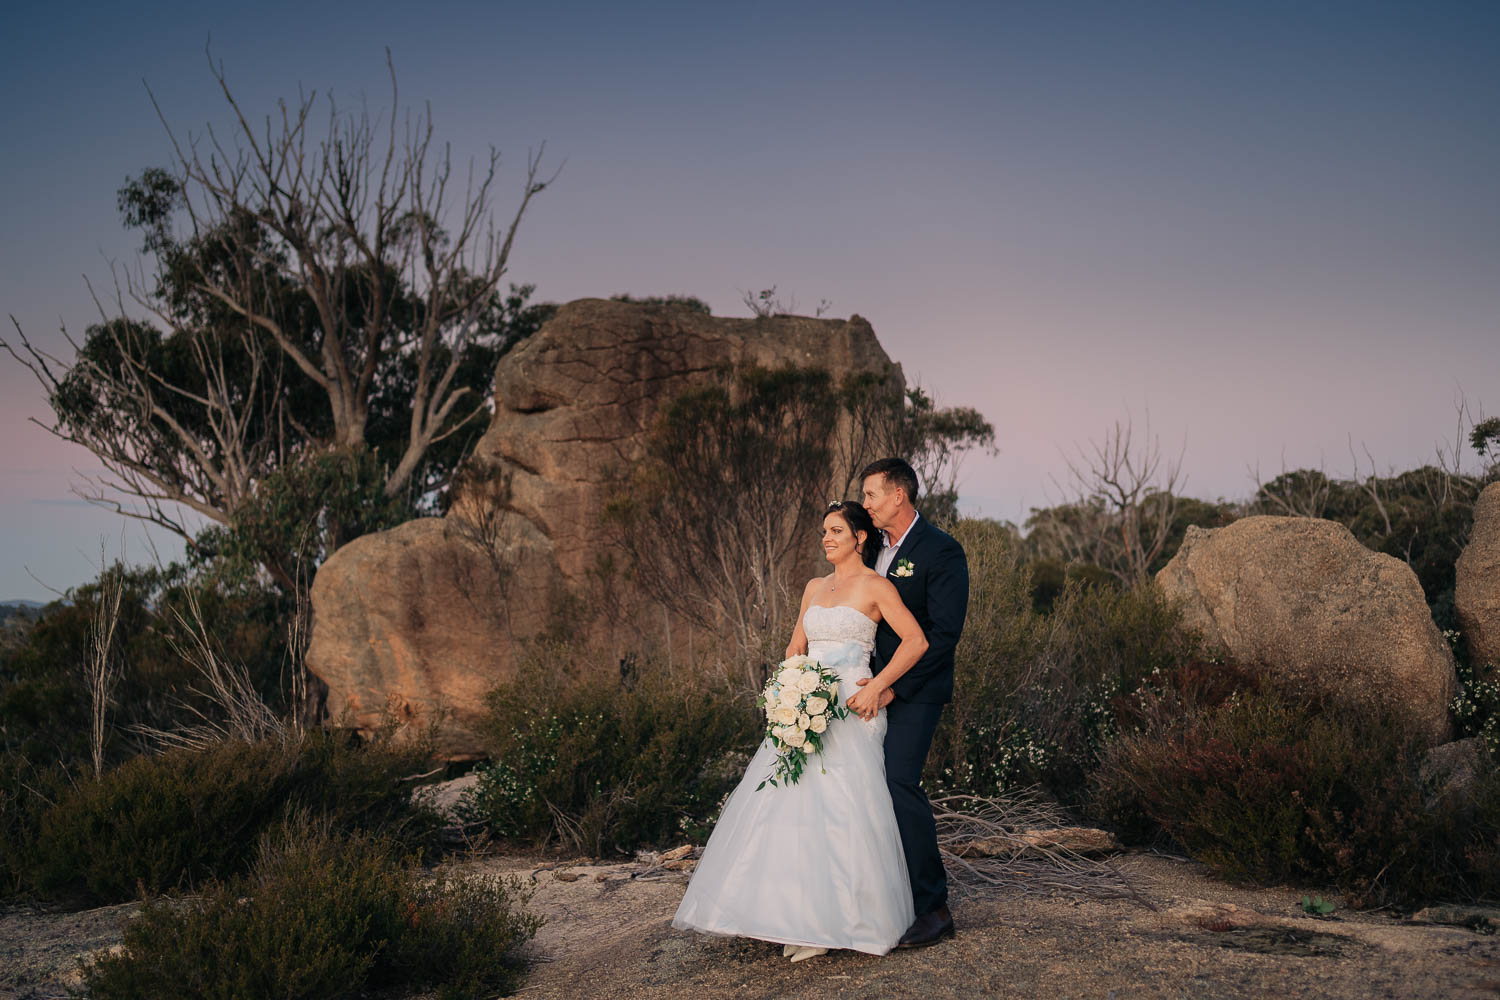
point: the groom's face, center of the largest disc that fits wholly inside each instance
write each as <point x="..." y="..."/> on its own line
<point x="882" y="501"/>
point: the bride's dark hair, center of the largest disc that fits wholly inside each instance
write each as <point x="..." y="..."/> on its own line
<point x="858" y="520"/>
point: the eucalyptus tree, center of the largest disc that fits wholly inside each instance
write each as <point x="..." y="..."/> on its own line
<point x="304" y="348"/>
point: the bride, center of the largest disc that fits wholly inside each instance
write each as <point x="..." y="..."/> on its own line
<point x="818" y="864"/>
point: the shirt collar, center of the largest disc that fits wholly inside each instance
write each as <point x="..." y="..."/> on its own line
<point x="897" y="543"/>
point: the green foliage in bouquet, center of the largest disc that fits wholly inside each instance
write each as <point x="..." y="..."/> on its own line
<point x="603" y="763"/>
<point x="800" y="700"/>
<point x="324" y="915"/>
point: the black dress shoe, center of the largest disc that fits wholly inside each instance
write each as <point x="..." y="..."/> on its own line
<point x="929" y="928"/>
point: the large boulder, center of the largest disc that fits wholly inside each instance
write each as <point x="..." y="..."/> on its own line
<point x="1476" y="594"/>
<point x="576" y="400"/>
<point x="412" y="625"/>
<point x="1304" y="601"/>
<point x="420" y="622"/>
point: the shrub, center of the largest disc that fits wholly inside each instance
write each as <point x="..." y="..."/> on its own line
<point x="323" y="915"/>
<point x="1267" y="787"/>
<point x="174" y="820"/>
<point x="1038" y="690"/>
<point x="44" y="691"/>
<point x="601" y="763"/>
<point x="1476" y="707"/>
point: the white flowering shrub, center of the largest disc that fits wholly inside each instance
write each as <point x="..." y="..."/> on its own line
<point x="603" y="765"/>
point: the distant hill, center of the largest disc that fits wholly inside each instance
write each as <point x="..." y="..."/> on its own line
<point x="19" y="611"/>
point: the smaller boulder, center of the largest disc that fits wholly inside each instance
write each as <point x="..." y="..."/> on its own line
<point x="1448" y="772"/>
<point x="1476" y="592"/>
<point x="1301" y="600"/>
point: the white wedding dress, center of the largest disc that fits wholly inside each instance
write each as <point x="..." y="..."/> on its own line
<point x="818" y="863"/>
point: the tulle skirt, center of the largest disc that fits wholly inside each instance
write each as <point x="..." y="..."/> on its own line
<point x="817" y="863"/>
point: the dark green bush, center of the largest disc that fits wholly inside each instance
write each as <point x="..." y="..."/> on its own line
<point x="323" y="915"/>
<point x="1037" y="690"/>
<point x="1268" y="787"/>
<point x="44" y="690"/>
<point x="609" y="763"/>
<point x="172" y="821"/>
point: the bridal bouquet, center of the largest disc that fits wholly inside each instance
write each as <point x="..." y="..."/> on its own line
<point x="800" y="700"/>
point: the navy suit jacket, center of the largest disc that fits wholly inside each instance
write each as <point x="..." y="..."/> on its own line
<point x="937" y="595"/>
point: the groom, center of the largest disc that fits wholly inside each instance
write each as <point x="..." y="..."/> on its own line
<point x="930" y="573"/>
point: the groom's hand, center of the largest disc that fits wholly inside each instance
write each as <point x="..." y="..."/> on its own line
<point x="865" y="703"/>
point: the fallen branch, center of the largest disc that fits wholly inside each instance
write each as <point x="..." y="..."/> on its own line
<point x="1016" y="844"/>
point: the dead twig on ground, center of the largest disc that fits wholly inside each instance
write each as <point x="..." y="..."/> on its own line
<point x="1033" y="866"/>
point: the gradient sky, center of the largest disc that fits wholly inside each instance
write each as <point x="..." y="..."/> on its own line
<point x="1272" y="227"/>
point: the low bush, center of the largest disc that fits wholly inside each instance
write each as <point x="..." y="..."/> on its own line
<point x="612" y="762"/>
<point x="323" y="915"/>
<point x="1038" y="689"/>
<point x="1268" y="787"/>
<point x="176" y="819"/>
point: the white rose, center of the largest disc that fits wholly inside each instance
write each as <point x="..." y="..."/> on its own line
<point x="808" y="681"/>
<point x="803" y="721"/>
<point x="796" y="662"/>
<point x="817" y="706"/>
<point x="784" y="716"/>
<point x="795" y="738"/>
<point x="791" y="697"/>
<point x="819" y="723"/>
<point x="787" y="677"/>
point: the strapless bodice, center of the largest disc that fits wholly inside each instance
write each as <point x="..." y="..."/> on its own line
<point x="839" y="623"/>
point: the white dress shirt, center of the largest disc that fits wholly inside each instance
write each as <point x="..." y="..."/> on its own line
<point x="888" y="551"/>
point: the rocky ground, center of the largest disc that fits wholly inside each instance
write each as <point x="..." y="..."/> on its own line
<point x="608" y="935"/>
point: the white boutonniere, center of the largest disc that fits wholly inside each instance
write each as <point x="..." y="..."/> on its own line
<point x="904" y="567"/>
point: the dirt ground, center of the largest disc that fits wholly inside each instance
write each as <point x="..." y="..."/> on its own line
<point x="608" y="935"/>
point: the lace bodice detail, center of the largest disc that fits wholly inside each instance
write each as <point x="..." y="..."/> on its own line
<point x="839" y="623"/>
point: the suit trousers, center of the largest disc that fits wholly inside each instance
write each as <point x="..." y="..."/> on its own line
<point x="908" y="736"/>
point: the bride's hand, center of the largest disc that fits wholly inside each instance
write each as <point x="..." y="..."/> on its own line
<point x="866" y="702"/>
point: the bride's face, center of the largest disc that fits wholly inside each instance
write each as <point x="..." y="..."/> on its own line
<point x="838" y="540"/>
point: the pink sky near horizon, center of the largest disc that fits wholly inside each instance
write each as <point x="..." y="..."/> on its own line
<point x="1273" y="231"/>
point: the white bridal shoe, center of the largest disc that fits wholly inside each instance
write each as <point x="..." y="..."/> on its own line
<point x="801" y="953"/>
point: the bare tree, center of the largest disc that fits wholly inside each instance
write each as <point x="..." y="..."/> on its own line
<point x="103" y="667"/>
<point x="883" y="417"/>
<point x="1299" y="493"/>
<point x="719" y="522"/>
<point x="1123" y="500"/>
<point x="715" y="521"/>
